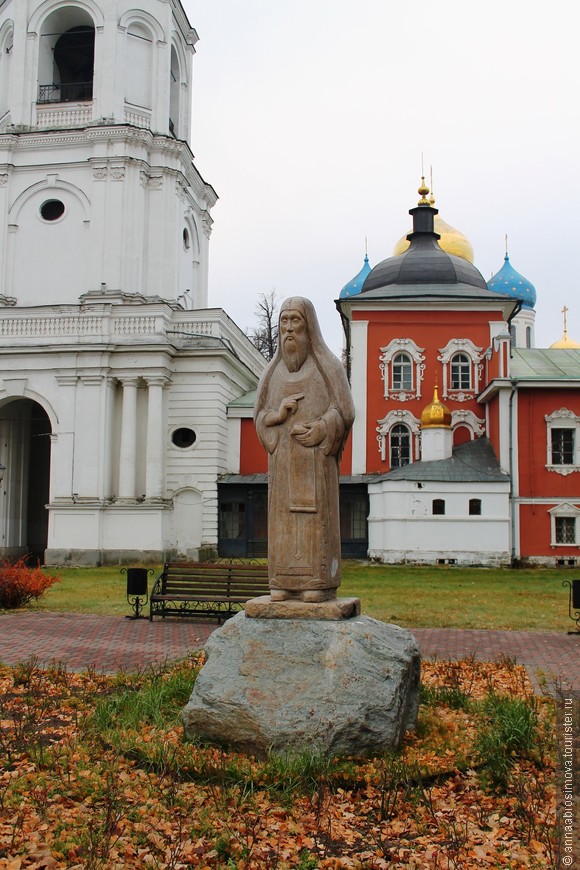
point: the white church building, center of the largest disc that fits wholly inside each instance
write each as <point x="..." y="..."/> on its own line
<point x="115" y="376"/>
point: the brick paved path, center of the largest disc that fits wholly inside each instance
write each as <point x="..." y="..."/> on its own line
<point x="112" y="643"/>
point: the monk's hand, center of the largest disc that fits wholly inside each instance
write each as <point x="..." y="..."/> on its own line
<point x="287" y="406"/>
<point x="310" y="434"/>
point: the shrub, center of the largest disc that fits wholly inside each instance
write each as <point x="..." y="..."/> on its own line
<point x="20" y="583"/>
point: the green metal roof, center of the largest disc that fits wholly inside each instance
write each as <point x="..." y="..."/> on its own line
<point x="545" y="364"/>
<point x="248" y="400"/>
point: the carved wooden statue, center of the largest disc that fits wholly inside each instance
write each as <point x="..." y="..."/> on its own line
<point x="304" y="412"/>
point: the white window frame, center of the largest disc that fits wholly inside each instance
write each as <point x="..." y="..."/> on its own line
<point x="392" y="419"/>
<point x="564" y="510"/>
<point x="461" y="370"/>
<point x="474" y="354"/>
<point x="406" y="346"/>
<point x="409" y="434"/>
<point x="406" y="366"/>
<point x="562" y="419"/>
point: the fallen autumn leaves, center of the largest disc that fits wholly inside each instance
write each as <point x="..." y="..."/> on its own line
<point x="96" y="774"/>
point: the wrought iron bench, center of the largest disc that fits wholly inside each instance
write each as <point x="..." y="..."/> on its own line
<point x="215" y="590"/>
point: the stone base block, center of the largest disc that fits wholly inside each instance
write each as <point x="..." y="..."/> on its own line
<point x="264" y="608"/>
<point x="339" y="687"/>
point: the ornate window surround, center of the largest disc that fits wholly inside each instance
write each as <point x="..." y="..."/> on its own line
<point x="466" y="346"/>
<point x="476" y="425"/>
<point x="408" y="346"/>
<point x="392" y="419"/>
<point x="565" y="509"/>
<point x="562" y="419"/>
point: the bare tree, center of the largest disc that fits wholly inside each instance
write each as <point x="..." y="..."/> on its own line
<point x="264" y="336"/>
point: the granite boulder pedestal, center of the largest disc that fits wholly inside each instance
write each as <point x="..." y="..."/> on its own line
<point x="298" y="677"/>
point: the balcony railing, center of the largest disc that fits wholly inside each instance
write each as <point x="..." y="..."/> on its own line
<point x="66" y="93"/>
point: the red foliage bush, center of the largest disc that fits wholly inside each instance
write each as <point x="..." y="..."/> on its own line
<point x="20" y="583"/>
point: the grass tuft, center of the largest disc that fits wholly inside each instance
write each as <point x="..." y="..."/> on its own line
<point x="509" y="733"/>
<point x="155" y="697"/>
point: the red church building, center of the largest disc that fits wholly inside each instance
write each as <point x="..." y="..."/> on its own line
<point x="465" y="447"/>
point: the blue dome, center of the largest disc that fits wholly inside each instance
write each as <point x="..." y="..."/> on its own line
<point x="508" y="282"/>
<point x="354" y="286"/>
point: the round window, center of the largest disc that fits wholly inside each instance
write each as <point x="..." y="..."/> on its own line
<point x="186" y="241"/>
<point x="184" y="437"/>
<point x="52" y="210"/>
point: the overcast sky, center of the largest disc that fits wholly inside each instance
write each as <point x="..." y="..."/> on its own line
<point x="310" y="118"/>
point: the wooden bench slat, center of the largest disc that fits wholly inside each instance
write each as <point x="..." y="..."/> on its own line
<point x="210" y="589"/>
<point x="176" y="587"/>
<point x="218" y="598"/>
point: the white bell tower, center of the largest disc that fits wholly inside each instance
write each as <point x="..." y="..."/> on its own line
<point x="99" y="196"/>
<point x="115" y="376"/>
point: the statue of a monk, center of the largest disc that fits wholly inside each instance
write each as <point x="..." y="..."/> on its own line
<point x="304" y="412"/>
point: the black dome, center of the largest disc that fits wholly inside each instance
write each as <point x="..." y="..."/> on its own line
<point x="425" y="262"/>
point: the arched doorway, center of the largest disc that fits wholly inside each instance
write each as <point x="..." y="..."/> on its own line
<point x="25" y="444"/>
<point x="66" y="56"/>
<point x="74" y="58"/>
<point x="461" y="435"/>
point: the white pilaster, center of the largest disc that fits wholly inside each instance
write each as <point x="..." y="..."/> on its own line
<point x="127" y="458"/>
<point x="359" y="332"/>
<point x="155" y="443"/>
<point x="507" y="432"/>
<point x="62" y="463"/>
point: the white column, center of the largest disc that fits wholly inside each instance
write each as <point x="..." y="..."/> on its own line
<point x="127" y="458"/>
<point x="155" y="444"/>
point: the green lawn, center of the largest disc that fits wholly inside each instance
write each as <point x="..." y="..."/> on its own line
<point x="89" y="590"/>
<point x="430" y="597"/>
<point x="452" y="597"/>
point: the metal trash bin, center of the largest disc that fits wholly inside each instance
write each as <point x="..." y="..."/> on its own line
<point x="137" y="591"/>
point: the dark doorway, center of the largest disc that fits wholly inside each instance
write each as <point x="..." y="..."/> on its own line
<point x="354" y="512"/>
<point x="25" y="447"/>
<point x="243" y="520"/>
<point x="38" y="482"/>
<point x="74" y="57"/>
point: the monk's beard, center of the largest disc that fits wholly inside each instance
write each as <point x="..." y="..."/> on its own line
<point x="294" y="352"/>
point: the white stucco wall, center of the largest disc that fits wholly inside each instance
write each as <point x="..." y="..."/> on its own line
<point x="402" y="527"/>
<point x="73" y="363"/>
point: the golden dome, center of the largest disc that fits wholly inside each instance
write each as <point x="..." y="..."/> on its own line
<point x="436" y="414"/>
<point x="565" y="343"/>
<point x="452" y="241"/>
